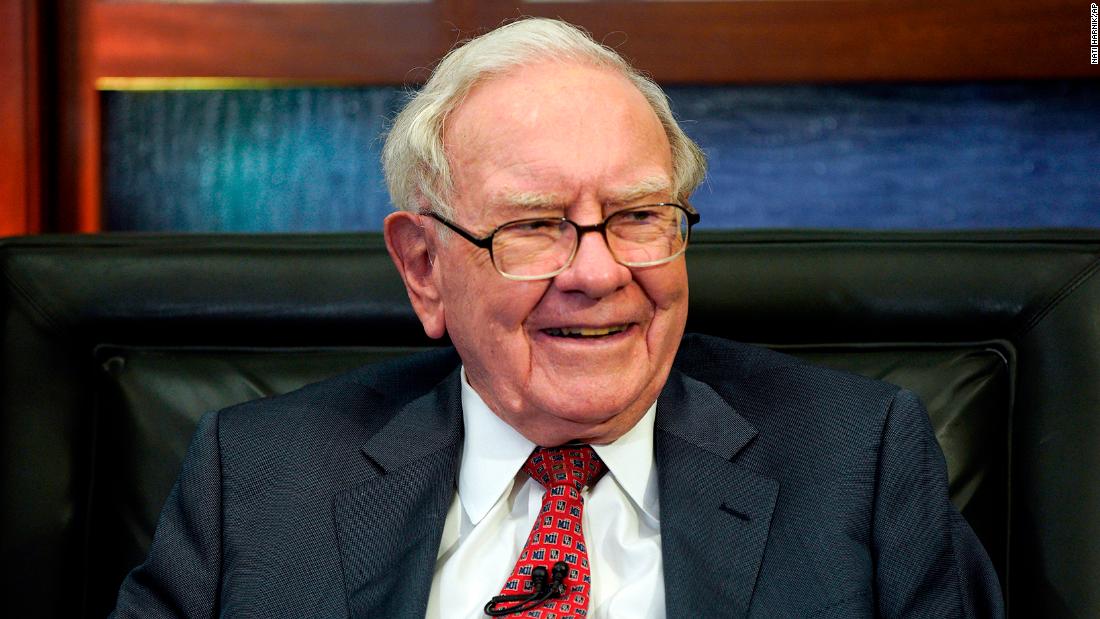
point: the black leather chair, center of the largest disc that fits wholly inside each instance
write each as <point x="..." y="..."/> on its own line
<point x="113" y="346"/>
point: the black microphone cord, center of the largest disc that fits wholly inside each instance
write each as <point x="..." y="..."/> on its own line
<point x="541" y="591"/>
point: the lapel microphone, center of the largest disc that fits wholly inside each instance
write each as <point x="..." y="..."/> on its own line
<point x="541" y="591"/>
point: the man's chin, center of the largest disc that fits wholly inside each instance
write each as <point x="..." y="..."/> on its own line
<point x="588" y="417"/>
<point x="584" y="426"/>
<point x="594" y="382"/>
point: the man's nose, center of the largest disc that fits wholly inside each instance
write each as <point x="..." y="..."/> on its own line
<point x="594" y="270"/>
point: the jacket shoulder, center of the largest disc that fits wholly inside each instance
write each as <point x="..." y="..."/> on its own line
<point x="393" y="383"/>
<point x="719" y="362"/>
<point x="338" y="413"/>
<point x="794" y="405"/>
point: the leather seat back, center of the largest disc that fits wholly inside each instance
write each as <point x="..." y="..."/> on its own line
<point x="114" y="346"/>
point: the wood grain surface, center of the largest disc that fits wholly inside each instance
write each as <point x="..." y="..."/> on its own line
<point x="19" y="119"/>
<point x="711" y="42"/>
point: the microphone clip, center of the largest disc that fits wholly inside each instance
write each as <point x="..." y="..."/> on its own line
<point x="541" y="591"/>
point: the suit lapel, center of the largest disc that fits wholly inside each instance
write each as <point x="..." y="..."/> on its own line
<point x="715" y="515"/>
<point x="389" y="527"/>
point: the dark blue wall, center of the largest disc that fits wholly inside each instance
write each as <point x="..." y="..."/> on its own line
<point x="857" y="156"/>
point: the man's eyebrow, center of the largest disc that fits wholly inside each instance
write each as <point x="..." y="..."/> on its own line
<point x="532" y="199"/>
<point x="646" y="187"/>
<point x="527" y="203"/>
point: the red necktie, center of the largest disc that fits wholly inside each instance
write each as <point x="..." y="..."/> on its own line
<point x="556" y="537"/>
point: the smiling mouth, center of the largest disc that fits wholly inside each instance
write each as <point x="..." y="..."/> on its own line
<point x="585" y="332"/>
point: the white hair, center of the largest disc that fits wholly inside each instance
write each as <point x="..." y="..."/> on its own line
<point x="413" y="158"/>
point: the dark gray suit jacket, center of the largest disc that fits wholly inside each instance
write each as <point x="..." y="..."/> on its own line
<point x="786" y="490"/>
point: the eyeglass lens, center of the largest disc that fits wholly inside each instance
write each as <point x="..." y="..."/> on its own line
<point x="642" y="236"/>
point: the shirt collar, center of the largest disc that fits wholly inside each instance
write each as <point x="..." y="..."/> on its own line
<point x="630" y="461"/>
<point x="493" y="452"/>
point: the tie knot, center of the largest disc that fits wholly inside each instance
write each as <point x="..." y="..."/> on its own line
<point x="569" y="465"/>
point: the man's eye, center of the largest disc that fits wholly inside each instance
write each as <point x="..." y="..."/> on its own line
<point x="639" y="216"/>
<point x="538" y="225"/>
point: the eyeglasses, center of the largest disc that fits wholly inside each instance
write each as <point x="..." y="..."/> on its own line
<point x="531" y="249"/>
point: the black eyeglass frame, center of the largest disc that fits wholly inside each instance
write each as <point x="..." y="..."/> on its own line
<point x="486" y="242"/>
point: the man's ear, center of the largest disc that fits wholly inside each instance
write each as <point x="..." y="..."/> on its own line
<point x="413" y="255"/>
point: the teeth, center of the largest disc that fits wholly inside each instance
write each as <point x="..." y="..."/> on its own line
<point x="585" y="332"/>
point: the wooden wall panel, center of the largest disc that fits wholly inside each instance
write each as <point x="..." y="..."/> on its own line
<point x="840" y="40"/>
<point x="20" y="189"/>
<point x="710" y="42"/>
<point x="76" y="160"/>
<point x="308" y="43"/>
<point x="357" y="43"/>
<point x="750" y="41"/>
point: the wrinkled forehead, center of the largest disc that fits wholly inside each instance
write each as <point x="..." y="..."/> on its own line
<point x="553" y="95"/>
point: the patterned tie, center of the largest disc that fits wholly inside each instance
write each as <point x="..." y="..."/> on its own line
<point x="557" y="537"/>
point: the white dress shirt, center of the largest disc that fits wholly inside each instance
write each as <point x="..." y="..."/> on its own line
<point x="494" y="509"/>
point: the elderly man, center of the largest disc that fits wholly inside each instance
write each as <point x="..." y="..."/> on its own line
<point x="577" y="456"/>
